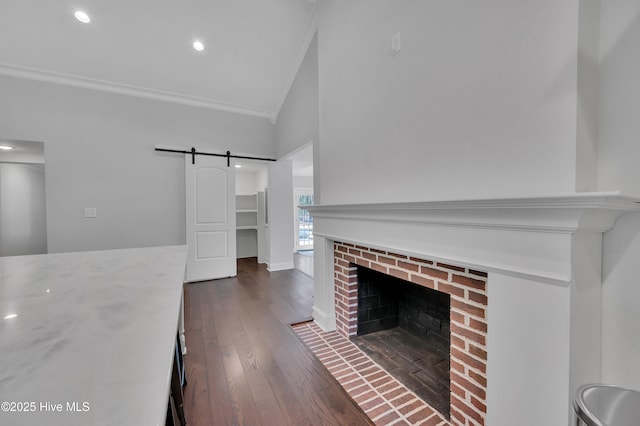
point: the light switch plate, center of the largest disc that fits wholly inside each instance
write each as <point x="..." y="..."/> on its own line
<point x="90" y="212"/>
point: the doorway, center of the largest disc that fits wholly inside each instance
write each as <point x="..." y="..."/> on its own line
<point x="23" y="212"/>
<point x="303" y="196"/>
<point x="304" y="221"/>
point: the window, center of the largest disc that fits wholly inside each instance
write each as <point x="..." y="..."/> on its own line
<point x="304" y="221"/>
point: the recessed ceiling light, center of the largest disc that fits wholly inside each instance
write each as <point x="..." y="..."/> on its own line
<point x="82" y="16"/>
<point x="238" y="166"/>
<point x="6" y="147"/>
<point x="10" y="316"/>
<point x="198" y="46"/>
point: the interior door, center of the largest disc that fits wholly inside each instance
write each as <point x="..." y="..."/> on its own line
<point x="211" y="219"/>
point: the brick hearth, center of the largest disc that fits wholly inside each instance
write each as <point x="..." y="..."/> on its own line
<point x="382" y="397"/>
<point x="468" y="291"/>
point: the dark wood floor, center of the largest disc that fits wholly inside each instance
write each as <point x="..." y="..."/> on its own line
<point x="245" y="366"/>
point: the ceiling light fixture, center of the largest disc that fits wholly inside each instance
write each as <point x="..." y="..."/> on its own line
<point x="238" y="166"/>
<point x="198" y="45"/>
<point x="10" y="316"/>
<point x="82" y="16"/>
<point x="6" y="147"/>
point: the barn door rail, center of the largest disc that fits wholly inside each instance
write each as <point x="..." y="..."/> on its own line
<point x="193" y="152"/>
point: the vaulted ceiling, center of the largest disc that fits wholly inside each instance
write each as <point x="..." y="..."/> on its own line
<point x="253" y="48"/>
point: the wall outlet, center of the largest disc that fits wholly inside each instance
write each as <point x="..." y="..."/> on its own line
<point x="90" y="212"/>
<point x="396" y="43"/>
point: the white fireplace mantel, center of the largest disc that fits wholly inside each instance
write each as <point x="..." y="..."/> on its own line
<point x="529" y="237"/>
<point x="594" y="211"/>
<point x="543" y="256"/>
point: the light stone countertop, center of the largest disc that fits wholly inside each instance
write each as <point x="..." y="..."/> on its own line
<point x="97" y="329"/>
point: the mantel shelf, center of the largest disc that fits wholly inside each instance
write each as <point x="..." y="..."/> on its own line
<point x="526" y="237"/>
<point x="593" y="211"/>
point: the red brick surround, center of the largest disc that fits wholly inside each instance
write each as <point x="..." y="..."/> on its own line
<point x="468" y="291"/>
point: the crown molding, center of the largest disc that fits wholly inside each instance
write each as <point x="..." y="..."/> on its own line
<point x="129" y="90"/>
<point x="312" y="27"/>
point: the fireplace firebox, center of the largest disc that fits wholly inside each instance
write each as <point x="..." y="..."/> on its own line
<point x="386" y="302"/>
<point x="404" y="327"/>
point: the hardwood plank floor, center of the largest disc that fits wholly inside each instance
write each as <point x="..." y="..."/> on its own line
<point x="245" y="366"/>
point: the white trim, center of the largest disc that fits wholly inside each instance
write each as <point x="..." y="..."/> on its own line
<point x="326" y="322"/>
<point x="593" y="211"/>
<point x="530" y="238"/>
<point x="282" y="266"/>
<point x="129" y="90"/>
<point x="312" y="27"/>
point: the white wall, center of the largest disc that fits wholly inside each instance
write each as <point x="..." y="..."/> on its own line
<point x="263" y="179"/>
<point x="23" y="222"/>
<point x="619" y="153"/>
<point x="100" y="154"/>
<point x="587" y="108"/>
<point x="280" y="236"/>
<point x="297" y="125"/>
<point x="298" y="118"/>
<point x="305" y="182"/>
<point x="480" y="102"/>
<point x="246" y="183"/>
<point x="619" y="97"/>
<point x="246" y="243"/>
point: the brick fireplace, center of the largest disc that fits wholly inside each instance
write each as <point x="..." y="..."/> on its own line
<point x="525" y="331"/>
<point x="467" y="289"/>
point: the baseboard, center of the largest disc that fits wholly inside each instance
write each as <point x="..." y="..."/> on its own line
<point x="282" y="266"/>
<point x="326" y="322"/>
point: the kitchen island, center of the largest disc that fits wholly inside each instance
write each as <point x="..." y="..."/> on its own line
<point x="88" y="338"/>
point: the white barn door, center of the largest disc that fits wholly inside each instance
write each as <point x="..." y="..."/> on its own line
<point x="211" y="219"/>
